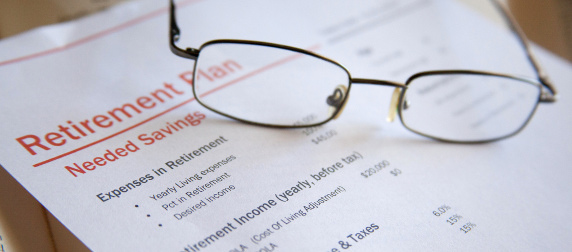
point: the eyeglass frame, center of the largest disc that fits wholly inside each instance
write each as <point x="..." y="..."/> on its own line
<point x="548" y="92"/>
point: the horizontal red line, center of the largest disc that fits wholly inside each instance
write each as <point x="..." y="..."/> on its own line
<point x="113" y="135"/>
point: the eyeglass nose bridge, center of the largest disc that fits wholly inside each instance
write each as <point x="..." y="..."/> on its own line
<point x="394" y="103"/>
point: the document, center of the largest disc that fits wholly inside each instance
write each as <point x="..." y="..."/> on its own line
<point x="100" y="125"/>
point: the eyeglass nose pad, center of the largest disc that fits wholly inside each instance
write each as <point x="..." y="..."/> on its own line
<point x="393" y="105"/>
<point x="336" y="100"/>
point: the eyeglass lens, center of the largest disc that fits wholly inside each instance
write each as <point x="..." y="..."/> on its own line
<point x="468" y="107"/>
<point x="268" y="85"/>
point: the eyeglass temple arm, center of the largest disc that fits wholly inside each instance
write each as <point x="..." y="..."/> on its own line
<point x="174" y="34"/>
<point x="549" y="96"/>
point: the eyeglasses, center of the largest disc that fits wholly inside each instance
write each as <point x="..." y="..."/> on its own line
<point x="280" y="86"/>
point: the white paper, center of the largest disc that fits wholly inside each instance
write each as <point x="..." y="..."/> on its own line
<point x="512" y="194"/>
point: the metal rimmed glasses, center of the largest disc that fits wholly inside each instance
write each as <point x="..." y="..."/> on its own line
<point x="279" y="85"/>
